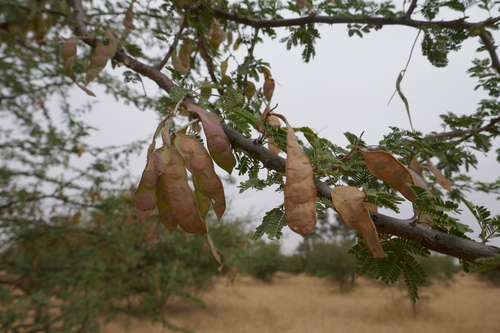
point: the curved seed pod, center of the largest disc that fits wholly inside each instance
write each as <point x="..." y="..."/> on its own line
<point x="217" y="141"/>
<point x="100" y="56"/>
<point x="129" y="17"/>
<point x="250" y="90"/>
<point x="300" y="192"/>
<point x="199" y="163"/>
<point x="268" y="88"/>
<point x="176" y="63"/>
<point x="273" y="120"/>
<point x="164" y="209"/>
<point x="145" y="199"/>
<point x="69" y="55"/>
<point x="415" y="166"/>
<point x="181" y="199"/>
<point x="441" y="179"/>
<point x="386" y="167"/>
<point x="349" y="202"/>
<point x="204" y="203"/>
<point x="185" y="55"/>
<point x="218" y="36"/>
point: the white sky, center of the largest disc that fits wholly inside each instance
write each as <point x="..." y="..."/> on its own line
<point x="346" y="87"/>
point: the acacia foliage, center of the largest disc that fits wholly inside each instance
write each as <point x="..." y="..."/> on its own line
<point x="192" y="51"/>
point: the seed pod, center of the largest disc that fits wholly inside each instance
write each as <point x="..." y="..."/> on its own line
<point x="349" y="202"/>
<point x="218" y="36"/>
<point x="217" y="141"/>
<point x="250" y="90"/>
<point x="164" y="209"/>
<point x="441" y="179"/>
<point x="185" y="55"/>
<point x="176" y="63"/>
<point x="69" y="55"/>
<point x="145" y="199"/>
<point x="100" y="56"/>
<point x="199" y="163"/>
<point x="300" y="192"/>
<point x="386" y="167"/>
<point x="268" y="88"/>
<point x="129" y="17"/>
<point x="180" y="197"/>
<point x="204" y="203"/>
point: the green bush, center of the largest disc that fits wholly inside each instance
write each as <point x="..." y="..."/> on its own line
<point x="332" y="260"/>
<point x="262" y="260"/>
<point x="492" y="277"/>
<point x="439" y="268"/>
<point x="68" y="274"/>
<point x="294" y="264"/>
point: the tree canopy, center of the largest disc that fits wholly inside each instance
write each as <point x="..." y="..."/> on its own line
<point x="202" y="56"/>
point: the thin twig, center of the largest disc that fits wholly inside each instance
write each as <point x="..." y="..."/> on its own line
<point x="208" y="60"/>
<point x="249" y="58"/>
<point x="495" y="62"/>
<point x="174" y="44"/>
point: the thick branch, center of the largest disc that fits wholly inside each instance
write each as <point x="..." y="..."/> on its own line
<point x="377" y="21"/>
<point x="441" y="242"/>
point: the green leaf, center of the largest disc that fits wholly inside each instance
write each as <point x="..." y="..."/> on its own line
<point x="272" y="224"/>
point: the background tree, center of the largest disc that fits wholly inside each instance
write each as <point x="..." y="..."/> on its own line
<point x="188" y="49"/>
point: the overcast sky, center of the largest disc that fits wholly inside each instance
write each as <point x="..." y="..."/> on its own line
<point x="346" y="87"/>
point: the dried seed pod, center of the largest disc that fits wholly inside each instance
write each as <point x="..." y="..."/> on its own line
<point x="129" y="17"/>
<point x="441" y="179"/>
<point x="268" y="89"/>
<point x="415" y="166"/>
<point x="145" y="199"/>
<point x="300" y="192"/>
<point x="185" y="55"/>
<point x="176" y="63"/>
<point x="349" y="202"/>
<point x="181" y="199"/>
<point x="386" y="167"/>
<point x="199" y="163"/>
<point x="69" y="55"/>
<point x="100" y="56"/>
<point x="164" y="209"/>
<point x="204" y="203"/>
<point x="250" y="90"/>
<point x="217" y="141"/>
<point x="217" y="37"/>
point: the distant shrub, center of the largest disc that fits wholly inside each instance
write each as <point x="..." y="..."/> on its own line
<point x="262" y="260"/>
<point x="294" y="264"/>
<point x="492" y="277"/>
<point x="439" y="268"/>
<point x="332" y="260"/>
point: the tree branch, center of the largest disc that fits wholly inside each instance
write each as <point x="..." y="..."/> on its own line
<point x="487" y="128"/>
<point x="460" y="248"/>
<point x="174" y="43"/>
<point x="438" y="241"/>
<point x="410" y="10"/>
<point x="492" y="50"/>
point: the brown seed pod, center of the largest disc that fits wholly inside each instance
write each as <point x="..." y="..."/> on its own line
<point x="441" y="179"/>
<point x="386" y="167"/>
<point x="199" y="163"/>
<point x="180" y="197"/>
<point x="100" y="56"/>
<point x="268" y="89"/>
<point x="145" y="199"/>
<point x="300" y="192"/>
<point x="217" y="141"/>
<point x="349" y="202"/>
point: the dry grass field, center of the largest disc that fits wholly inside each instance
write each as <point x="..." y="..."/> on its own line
<point x="306" y="304"/>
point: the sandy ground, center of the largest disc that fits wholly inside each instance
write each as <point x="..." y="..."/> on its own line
<point x="306" y="304"/>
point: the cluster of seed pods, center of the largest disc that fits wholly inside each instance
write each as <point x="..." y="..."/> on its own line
<point x="165" y="181"/>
